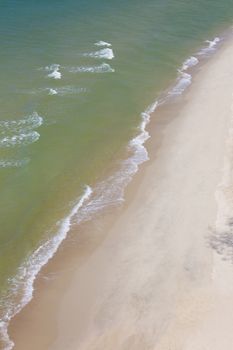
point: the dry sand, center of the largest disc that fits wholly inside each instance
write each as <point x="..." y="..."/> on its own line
<point x="151" y="278"/>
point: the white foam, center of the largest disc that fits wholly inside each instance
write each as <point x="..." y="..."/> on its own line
<point x="103" y="68"/>
<point x="19" y="140"/>
<point x="23" y="283"/>
<point x="183" y="81"/>
<point x="61" y="91"/>
<point x="103" y="43"/>
<point x="110" y="192"/>
<point x="13" y="163"/>
<point x="55" y="74"/>
<point x="54" y="71"/>
<point x="103" y="53"/>
<point x="213" y="43"/>
<point x="52" y="67"/>
<point x="137" y="143"/>
<point x="211" y="46"/>
<point x="67" y="90"/>
<point x="190" y="62"/>
<point x="16" y="133"/>
<point x="31" y="122"/>
<point x="52" y="92"/>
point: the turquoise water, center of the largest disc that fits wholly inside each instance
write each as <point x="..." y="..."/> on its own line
<point x="59" y="135"/>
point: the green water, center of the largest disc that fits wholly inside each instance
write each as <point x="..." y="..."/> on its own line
<point x="85" y="130"/>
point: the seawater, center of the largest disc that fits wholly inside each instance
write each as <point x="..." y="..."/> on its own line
<point x="75" y="79"/>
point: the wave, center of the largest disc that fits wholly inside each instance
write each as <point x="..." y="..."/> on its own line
<point x="103" y="43"/>
<point x="13" y="163"/>
<point x="20" y="132"/>
<point x="110" y="192"/>
<point x="190" y="62"/>
<point x="66" y="90"/>
<point x="103" y="68"/>
<point x="103" y="53"/>
<point x="212" y="44"/>
<point x="55" y="74"/>
<point x="183" y="81"/>
<point x="19" y="140"/>
<point x="53" y="66"/>
<point x="54" y="71"/>
<point x="52" y="92"/>
<point x="31" y="122"/>
<point x="23" y="283"/>
<point x="61" y="91"/>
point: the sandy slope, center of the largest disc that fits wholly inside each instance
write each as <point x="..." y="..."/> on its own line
<point x="154" y="282"/>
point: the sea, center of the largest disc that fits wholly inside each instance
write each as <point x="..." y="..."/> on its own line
<point x="80" y="80"/>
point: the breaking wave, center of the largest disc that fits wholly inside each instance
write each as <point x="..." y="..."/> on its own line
<point x="103" y="53"/>
<point x="211" y="46"/>
<point x="13" y="163"/>
<point x="66" y="90"/>
<point x="54" y="70"/>
<point x="103" y="43"/>
<point x="22" y="284"/>
<point x="190" y="62"/>
<point x="20" y="132"/>
<point x="31" y="122"/>
<point x="19" y="140"/>
<point x="183" y="81"/>
<point x="103" y="68"/>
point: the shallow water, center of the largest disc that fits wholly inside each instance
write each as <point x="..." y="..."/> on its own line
<point x="70" y="104"/>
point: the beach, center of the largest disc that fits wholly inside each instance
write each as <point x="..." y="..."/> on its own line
<point x="87" y="94"/>
<point x="154" y="273"/>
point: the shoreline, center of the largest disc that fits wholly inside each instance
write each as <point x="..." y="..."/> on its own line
<point x="139" y="185"/>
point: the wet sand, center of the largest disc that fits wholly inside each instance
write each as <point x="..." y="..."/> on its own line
<point x="148" y="275"/>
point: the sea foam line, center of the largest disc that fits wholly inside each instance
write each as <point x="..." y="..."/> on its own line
<point x="185" y="79"/>
<point x="211" y="47"/>
<point x="110" y="192"/>
<point x="193" y="61"/>
<point x="190" y="62"/>
<point x="23" y="283"/>
<point x="183" y="82"/>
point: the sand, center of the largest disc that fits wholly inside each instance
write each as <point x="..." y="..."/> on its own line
<point x="155" y="274"/>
